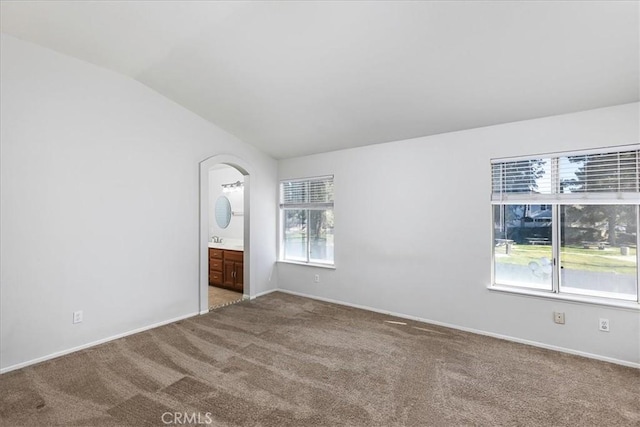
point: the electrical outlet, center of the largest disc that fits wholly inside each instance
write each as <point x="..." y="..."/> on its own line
<point x="77" y="316"/>
<point x="316" y="278"/>
<point x="558" y="317"/>
<point x="603" y="325"/>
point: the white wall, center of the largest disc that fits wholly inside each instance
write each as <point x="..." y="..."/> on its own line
<point x="100" y="204"/>
<point x="99" y="212"/>
<point x="235" y="230"/>
<point x="413" y="236"/>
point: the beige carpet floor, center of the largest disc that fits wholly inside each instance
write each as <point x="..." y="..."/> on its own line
<point x="282" y="360"/>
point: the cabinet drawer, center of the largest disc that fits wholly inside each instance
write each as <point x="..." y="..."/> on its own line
<point x="215" y="253"/>
<point x="215" y="264"/>
<point x="215" y="277"/>
<point x="233" y="256"/>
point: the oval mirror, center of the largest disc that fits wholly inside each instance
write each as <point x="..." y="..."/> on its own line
<point x="223" y="212"/>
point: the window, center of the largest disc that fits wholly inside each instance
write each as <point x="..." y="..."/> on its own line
<point x="306" y="212"/>
<point x="568" y="223"/>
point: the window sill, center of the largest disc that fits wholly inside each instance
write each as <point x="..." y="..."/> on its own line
<point x="628" y="305"/>
<point x="308" y="264"/>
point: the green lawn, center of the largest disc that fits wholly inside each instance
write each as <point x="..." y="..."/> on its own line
<point x="573" y="257"/>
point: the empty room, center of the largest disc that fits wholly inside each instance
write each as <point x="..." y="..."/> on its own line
<point x="319" y="213"/>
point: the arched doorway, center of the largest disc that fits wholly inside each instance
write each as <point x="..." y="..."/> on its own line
<point x="206" y="166"/>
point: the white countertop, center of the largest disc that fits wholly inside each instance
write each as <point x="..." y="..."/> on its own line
<point x="226" y="246"/>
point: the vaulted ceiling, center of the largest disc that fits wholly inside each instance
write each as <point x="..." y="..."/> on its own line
<point x="295" y="78"/>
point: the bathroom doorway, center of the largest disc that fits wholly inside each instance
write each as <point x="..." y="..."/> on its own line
<point x="224" y="232"/>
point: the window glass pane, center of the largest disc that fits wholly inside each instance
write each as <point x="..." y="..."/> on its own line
<point x="598" y="250"/>
<point x="295" y="234"/>
<point x="307" y="220"/>
<point x="321" y="236"/>
<point x="522" y="245"/>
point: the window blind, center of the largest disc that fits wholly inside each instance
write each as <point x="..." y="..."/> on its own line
<point x="598" y="176"/>
<point x="313" y="193"/>
<point x="602" y="172"/>
<point x="531" y="176"/>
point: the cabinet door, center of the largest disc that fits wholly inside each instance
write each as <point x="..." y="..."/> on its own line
<point x="239" y="276"/>
<point x="229" y="274"/>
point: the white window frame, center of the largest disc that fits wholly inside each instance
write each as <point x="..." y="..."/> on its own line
<point x="556" y="201"/>
<point x="308" y="206"/>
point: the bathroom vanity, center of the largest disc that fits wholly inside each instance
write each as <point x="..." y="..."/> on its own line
<point x="226" y="267"/>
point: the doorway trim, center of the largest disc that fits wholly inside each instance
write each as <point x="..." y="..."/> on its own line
<point x="205" y="166"/>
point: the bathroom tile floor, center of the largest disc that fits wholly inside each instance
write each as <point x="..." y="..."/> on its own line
<point x="219" y="297"/>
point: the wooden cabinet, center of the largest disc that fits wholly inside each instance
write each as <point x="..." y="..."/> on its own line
<point x="216" y="257"/>
<point x="226" y="269"/>
<point x="233" y="268"/>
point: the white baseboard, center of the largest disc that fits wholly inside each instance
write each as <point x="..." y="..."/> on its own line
<point x="474" y="331"/>
<point x="363" y="307"/>
<point x="94" y="343"/>
<point x="263" y="293"/>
